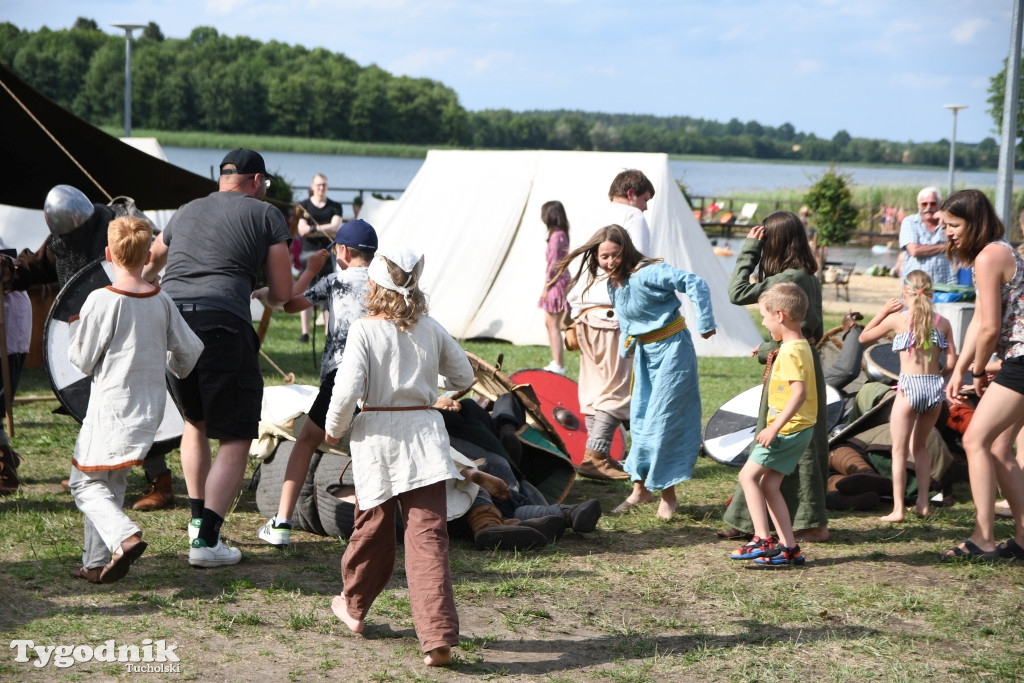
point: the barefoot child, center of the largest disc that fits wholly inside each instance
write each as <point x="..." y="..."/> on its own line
<point x="665" y="406"/>
<point x="125" y="336"/>
<point x="391" y="363"/>
<point x="792" y="413"/>
<point x="344" y="295"/>
<point x="925" y="336"/>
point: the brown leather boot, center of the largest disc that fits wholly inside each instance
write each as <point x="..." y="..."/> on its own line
<point x="491" y="531"/>
<point x="597" y="465"/>
<point x="848" y="460"/>
<point x="157" y="495"/>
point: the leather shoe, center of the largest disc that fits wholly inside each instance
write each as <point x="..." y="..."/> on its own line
<point x="131" y="548"/>
<point x="90" y="575"/>
<point x="599" y="466"/>
<point x="850" y="319"/>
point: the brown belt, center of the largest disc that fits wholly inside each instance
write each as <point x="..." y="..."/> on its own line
<point x="367" y="409"/>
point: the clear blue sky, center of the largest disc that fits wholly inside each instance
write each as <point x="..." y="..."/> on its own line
<point x="876" y="68"/>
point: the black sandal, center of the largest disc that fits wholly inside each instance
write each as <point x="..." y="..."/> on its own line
<point x="1010" y="549"/>
<point x="973" y="552"/>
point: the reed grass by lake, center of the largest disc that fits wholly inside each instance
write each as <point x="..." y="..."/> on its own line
<point x="279" y="143"/>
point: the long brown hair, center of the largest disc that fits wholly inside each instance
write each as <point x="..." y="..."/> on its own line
<point x="553" y="215"/>
<point x="392" y="305"/>
<point x="785" y="246"/>
<point x="918" y="289"/>
<point x="631" y="258"/>
<point x="981" y="224"/>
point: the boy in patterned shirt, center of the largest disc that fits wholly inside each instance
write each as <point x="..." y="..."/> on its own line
<point x="344" y="292"/>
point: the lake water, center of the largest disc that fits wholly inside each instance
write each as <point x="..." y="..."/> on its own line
<point x="702" y="178"/>
<point x="708" y="178"/>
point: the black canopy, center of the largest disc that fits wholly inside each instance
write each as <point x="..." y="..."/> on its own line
<point x="42" y="145"/>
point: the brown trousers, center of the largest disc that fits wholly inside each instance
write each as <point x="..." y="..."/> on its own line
<point x="369" y="562"/>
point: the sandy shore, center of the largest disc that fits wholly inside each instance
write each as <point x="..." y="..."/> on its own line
<point x="867" y="294"/>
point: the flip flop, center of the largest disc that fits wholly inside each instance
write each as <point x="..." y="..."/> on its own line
<point x="1010" y="549"/>
<point x="973" y="552"/>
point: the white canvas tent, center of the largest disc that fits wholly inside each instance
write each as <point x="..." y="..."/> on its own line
<point x="476" y="217"/>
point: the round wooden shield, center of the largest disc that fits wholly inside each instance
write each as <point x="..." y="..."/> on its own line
<point x="729" y="434"/>
<point x="71" y="387"/>
<point x="882" y="364"/>
<point x="559" y="401"/>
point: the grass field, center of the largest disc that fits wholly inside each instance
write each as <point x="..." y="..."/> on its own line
<point x="638" y="600"/>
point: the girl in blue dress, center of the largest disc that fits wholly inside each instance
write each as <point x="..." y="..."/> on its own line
<point x="665" y="410"/>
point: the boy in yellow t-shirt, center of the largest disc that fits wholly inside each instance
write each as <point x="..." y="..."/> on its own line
<point x="792" y="410"/>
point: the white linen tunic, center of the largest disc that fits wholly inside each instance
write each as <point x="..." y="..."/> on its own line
<point x="394" y="451"/>
<point x="125" y="341"/>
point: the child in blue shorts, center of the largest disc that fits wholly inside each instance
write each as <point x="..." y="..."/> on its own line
<point x="792" y="413"/>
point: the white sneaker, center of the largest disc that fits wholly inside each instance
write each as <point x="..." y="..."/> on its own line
<point x="280" y="536"/>
<point x="555" y="368"/>
<point x="193" y="529"/>
<point x="220" y="555"/>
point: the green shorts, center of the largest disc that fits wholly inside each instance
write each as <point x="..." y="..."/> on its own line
<point x="784" y="453"/>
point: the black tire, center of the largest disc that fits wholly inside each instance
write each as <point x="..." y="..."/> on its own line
<point x="306" y="517"/>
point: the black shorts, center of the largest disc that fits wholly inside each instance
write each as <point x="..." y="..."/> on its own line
<point x="1011" y="375"/>
<point x="225" y="390"/>
<point x="318" y="411"/>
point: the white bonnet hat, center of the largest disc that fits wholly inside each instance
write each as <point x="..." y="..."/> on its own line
<point x="408" y="260"/>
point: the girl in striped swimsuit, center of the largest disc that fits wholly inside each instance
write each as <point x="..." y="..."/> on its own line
<point x="925" y="337"/>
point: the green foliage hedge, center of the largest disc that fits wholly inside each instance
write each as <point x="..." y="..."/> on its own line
<point x="218" y="84"/>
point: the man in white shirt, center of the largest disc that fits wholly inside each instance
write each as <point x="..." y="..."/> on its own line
<point x="629" y="194"/>
<point x="925" y="241"/>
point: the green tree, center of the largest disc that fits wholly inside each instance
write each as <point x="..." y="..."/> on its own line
<point x="100" y="98"/>
<point x="831" y="202"/>
<point x="11" y="39"/>
<point x="997" y="99"/>
<point x="84" y="24"/>
<point x="153" y="32"/>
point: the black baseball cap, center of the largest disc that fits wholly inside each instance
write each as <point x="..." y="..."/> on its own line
<point x="245" y="161"/>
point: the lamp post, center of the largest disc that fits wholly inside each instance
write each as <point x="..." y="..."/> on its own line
<point x="952" y="144"/>
<point x="128" y="28"/>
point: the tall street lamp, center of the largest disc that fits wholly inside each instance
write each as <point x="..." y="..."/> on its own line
<point x="128" y="28"/>
<point x="952" y="144"/>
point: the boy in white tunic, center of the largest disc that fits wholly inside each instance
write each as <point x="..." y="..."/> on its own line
<point x="400" y="451"/>
<point x="125" y="335"/>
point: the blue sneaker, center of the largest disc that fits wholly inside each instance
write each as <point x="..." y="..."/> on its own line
<point x="781" y="555"/>
<point x="758" y="547"/>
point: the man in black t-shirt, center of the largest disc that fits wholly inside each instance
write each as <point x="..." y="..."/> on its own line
<point x="321" y="220"/>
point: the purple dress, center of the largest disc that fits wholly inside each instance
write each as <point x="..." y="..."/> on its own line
<point x="553" y="300"/>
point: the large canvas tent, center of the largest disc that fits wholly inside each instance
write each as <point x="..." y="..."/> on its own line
<point x="476" y="217"/>
<point x="44" y="145"/>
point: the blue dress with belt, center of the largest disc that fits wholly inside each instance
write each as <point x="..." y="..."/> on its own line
<point x="665" y="412"/>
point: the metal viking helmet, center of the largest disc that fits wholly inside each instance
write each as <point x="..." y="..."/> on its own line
<point x="66" y="208"/>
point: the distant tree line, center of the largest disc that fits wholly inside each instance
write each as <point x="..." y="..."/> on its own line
<point x="210" y="82"/>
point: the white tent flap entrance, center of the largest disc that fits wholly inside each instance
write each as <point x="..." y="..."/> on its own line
<point x="476" y="217"/>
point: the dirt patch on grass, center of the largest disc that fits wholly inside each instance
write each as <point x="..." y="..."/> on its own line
<point x="637" y="600"/>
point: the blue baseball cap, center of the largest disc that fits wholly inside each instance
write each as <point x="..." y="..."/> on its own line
<point x="357" y="234"/>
